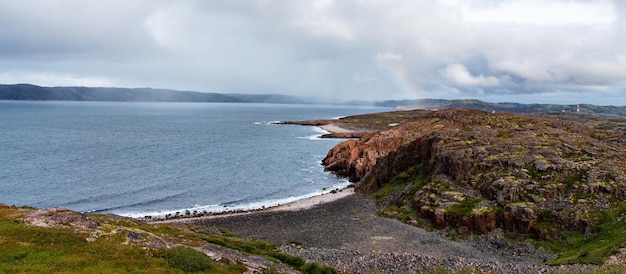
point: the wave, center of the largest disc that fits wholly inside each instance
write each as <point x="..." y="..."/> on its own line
<point x="318" y="136"/>
<point x="267" y="122"/>
<point x="233" y="206"/>
<point x="143" y="203"/>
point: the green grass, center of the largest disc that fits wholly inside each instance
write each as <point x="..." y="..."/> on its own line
<point x="44" y="250"/>
<point x="256" y="247"/>
<point x="227" y="233"/>
<point x="188" y="260"/>
<point x="415" y="176"/>
<point x="593" y="249"/>
<point x="571" y="247"/>
<point x="572" y="179"/>
<point x="464" y="208"/>
<point x="27" y="249"/>
<point x="315" y="268"/>
<point x="268" y="250"/>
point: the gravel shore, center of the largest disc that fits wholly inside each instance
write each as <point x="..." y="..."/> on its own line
<point x="346" y="234"/>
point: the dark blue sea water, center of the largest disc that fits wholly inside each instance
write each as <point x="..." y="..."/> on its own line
<point x="140" y="159"/>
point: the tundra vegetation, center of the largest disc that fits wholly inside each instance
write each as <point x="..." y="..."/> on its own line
<point x="63" y="241"/>
<point x="556" y="179"/>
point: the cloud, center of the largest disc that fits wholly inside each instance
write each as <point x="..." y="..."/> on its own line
<point x="388" y="57"/>
<point x="345" y="49"/>
<point x="459" y="75"/>
<point x="54" y="79"/>
<point x="323" y="27"/>
<point x="536" y="12"/>
<point x="71" y="28"/>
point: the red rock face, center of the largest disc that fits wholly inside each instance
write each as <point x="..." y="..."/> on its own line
<point x="518" y="170"/>
<point x="356" y="158"/>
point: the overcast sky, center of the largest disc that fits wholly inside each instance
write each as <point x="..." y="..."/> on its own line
<point x="543" y="51"/>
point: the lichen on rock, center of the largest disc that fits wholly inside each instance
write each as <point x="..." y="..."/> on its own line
<point x="61" y="217"/>
<point x="481" y="171"/>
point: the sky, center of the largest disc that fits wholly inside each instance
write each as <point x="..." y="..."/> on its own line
<point x="528" y="51"/>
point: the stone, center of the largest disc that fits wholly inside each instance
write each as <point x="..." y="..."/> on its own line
<point x="541" y="165"/>
<point x="51" y="217"/>
<point x="520" y="165"/>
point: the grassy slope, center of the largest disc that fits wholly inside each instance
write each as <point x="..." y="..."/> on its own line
<point x="38" y="250"/>
<point x="27" y="249"/>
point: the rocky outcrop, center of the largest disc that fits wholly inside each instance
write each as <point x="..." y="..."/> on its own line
<point x="356" y="158"/>
<point x="359" y="126"/>
<point x="474" y="172"/>
<point x="153" y="238"/>
<point x="60" y="217"/>
<point x="345" y="135"/>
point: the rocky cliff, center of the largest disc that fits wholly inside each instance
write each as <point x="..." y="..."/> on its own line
<point x="473" y="172"/>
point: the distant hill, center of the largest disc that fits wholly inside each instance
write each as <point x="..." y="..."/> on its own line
<point x="267" y="98"/>
<point x="38" y="93"/>
<point x="502" y="107"/>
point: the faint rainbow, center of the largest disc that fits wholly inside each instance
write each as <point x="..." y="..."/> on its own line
<point x="402" y="80"/>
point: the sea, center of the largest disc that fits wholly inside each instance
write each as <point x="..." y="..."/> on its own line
<point x="153" y="159"/>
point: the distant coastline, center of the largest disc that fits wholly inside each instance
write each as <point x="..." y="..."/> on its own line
<point x="38" y="93"/>
<point x="29" y="92"/>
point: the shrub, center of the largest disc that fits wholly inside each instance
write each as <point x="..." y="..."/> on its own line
<point x="315" y="268"/>
<point x="188" y="259"/>
<point x="293" y="261"/>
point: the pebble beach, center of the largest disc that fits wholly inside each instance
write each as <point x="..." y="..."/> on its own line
<point x="344" y="232"/>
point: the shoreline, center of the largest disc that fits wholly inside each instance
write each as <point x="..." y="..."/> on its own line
<point x="348" y="234"/>
<point x="332" y="129"/>
<point x="298" y="205"/>
<point x="343" y="230"/>
<point x="337" y="129"/>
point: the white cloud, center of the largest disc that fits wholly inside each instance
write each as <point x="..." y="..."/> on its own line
<point x="164" y="26"/>
<point x="54" y="80"/>
<point x="537" y="12"/>
<point x="459" y="75"/>
<point x="325" y="28"/>
<point x="387" y="57"/>
<point x="378" y="49"/>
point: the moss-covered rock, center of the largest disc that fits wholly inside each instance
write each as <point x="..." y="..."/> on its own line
<point x="474" y="171"/>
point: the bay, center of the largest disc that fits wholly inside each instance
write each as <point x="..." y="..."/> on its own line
<point x="138" y="159"/>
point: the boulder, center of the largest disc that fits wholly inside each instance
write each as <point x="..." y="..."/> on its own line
<point x="52" y="217"/>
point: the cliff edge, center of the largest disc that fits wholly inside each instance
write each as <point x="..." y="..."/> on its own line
<point x="472" y="172"/>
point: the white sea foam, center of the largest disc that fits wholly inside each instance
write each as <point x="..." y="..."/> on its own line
<point x="319" y="132"/>
<point x="222" y="208"/>
<point x="267" y="122"/>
